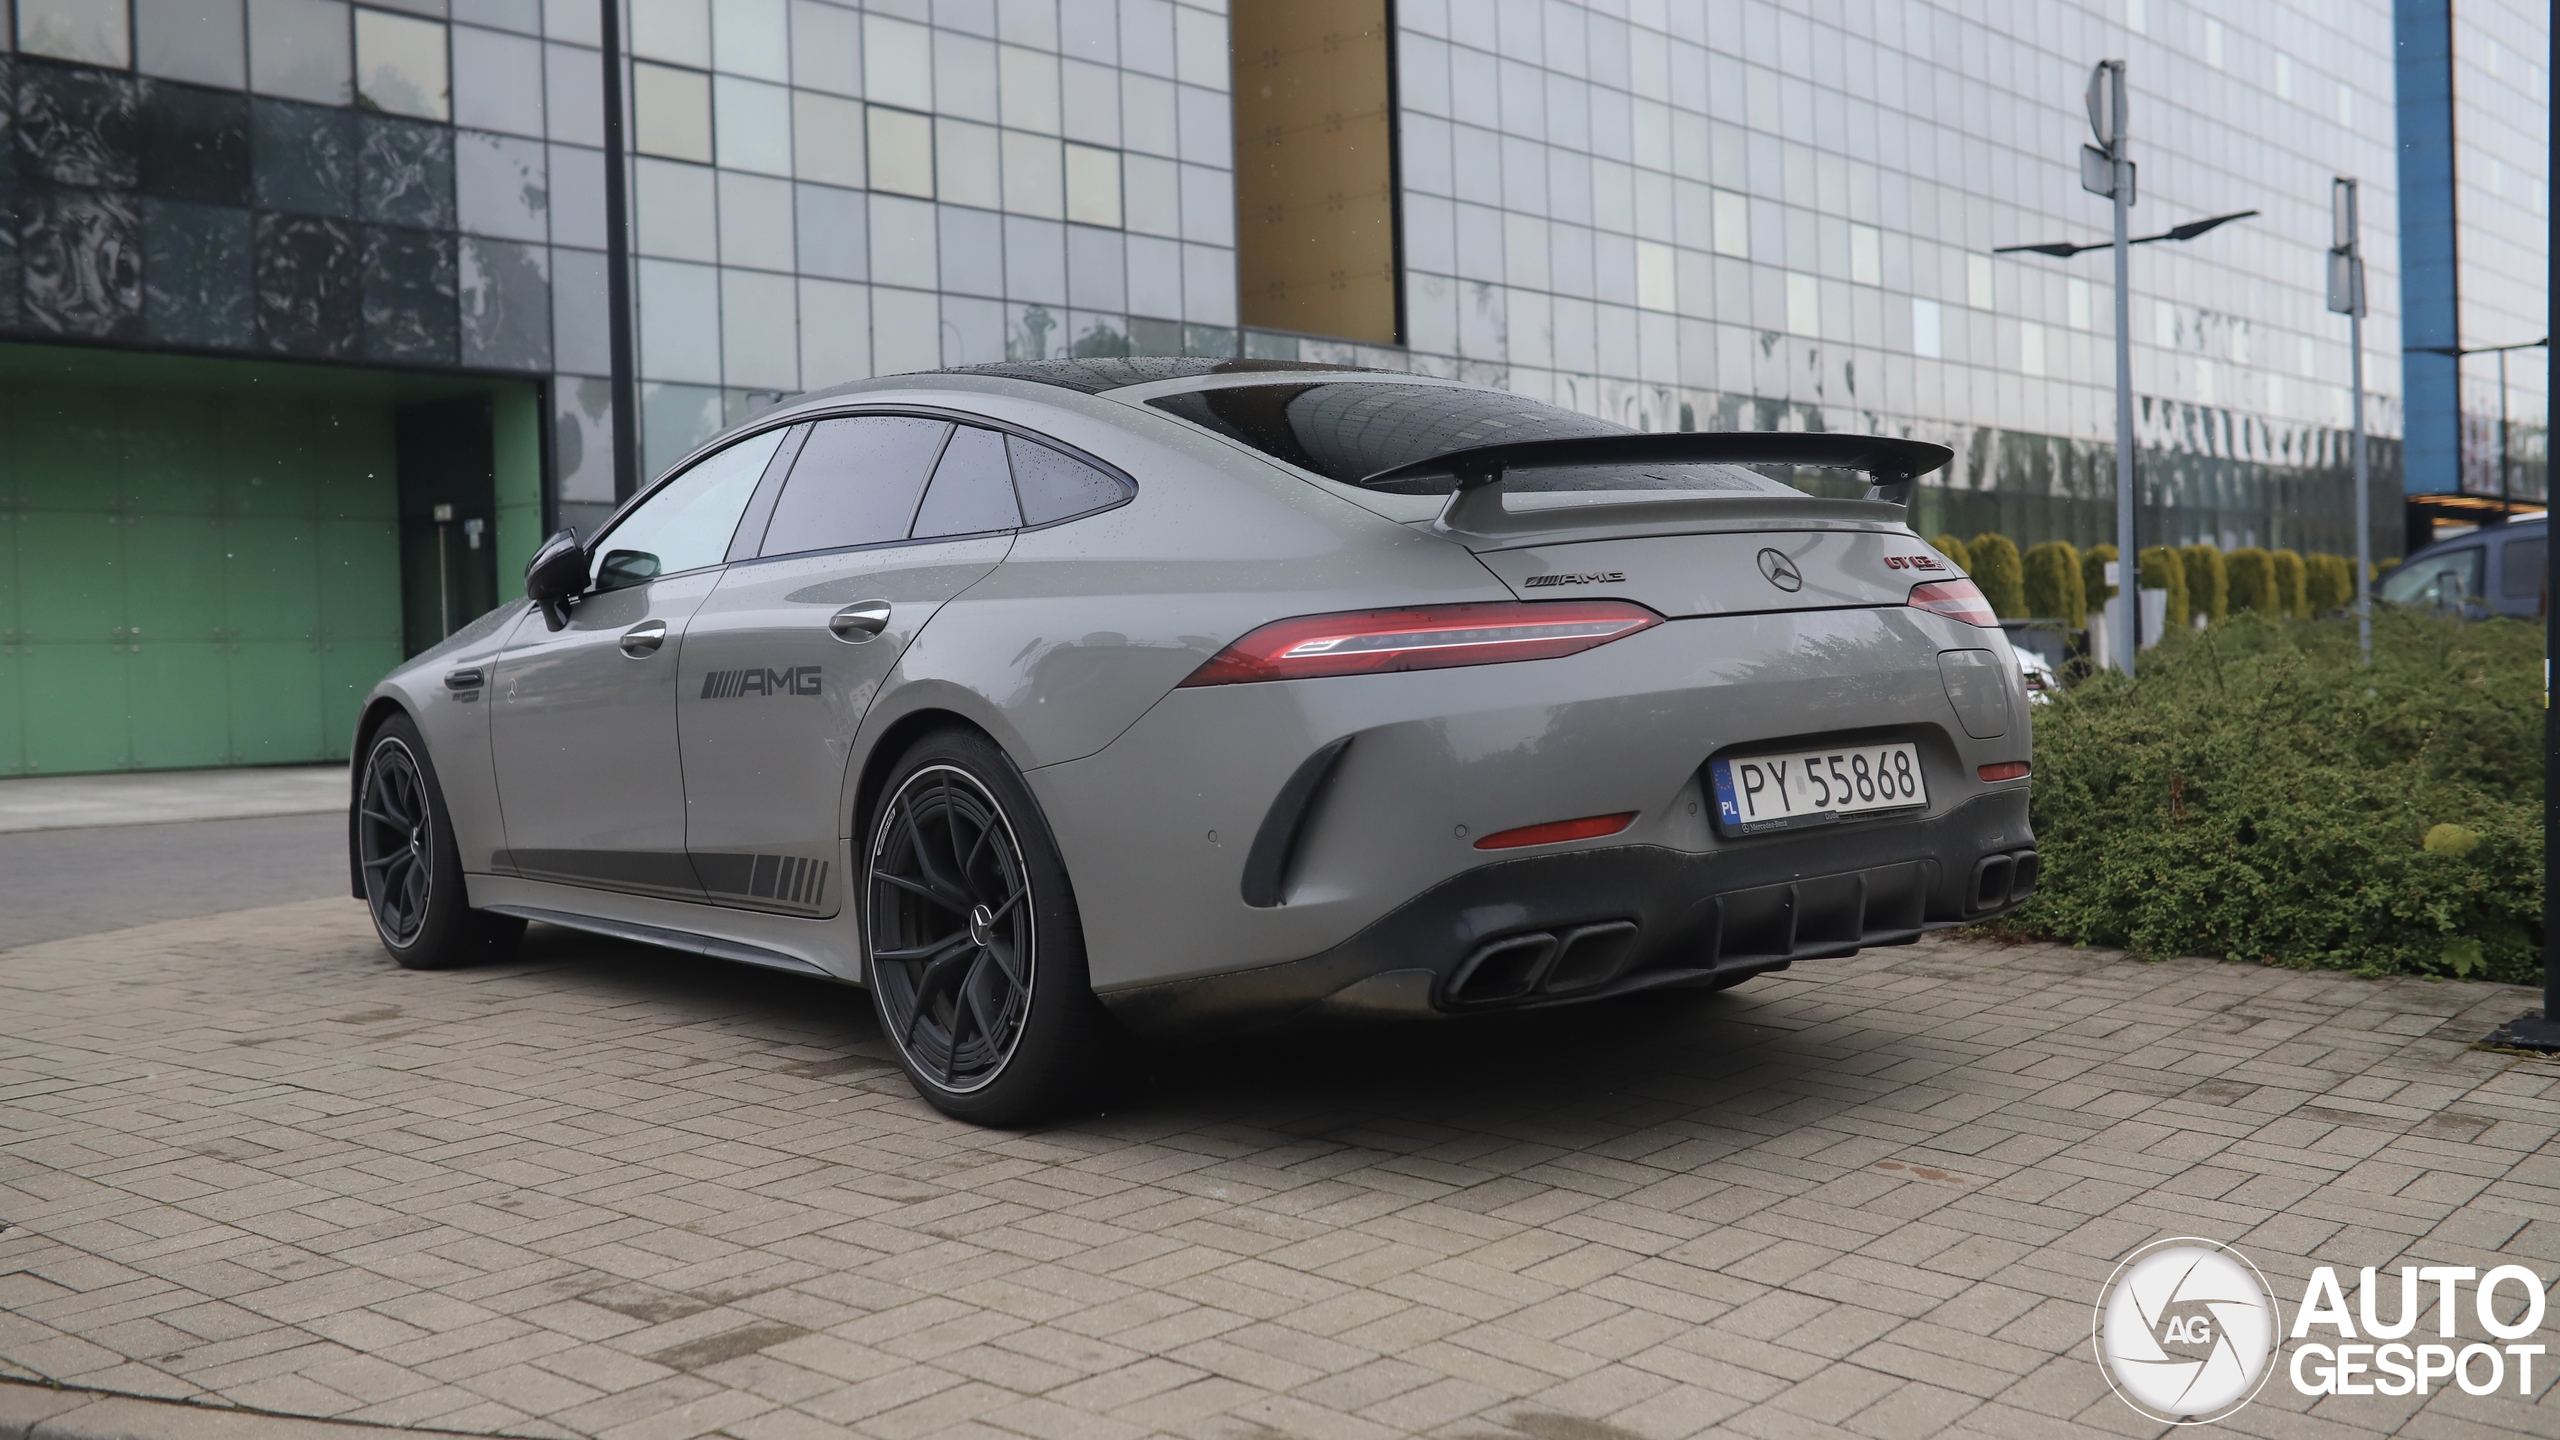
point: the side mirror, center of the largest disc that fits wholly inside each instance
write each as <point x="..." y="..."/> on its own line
<point x="556" y="575"/>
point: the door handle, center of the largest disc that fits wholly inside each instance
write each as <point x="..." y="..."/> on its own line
<point x="859" y="621"/>
<point x="642" y="640"/>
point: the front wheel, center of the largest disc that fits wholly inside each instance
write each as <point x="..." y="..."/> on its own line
<point x="411" y="865"/>
<point x="975" y="950"/>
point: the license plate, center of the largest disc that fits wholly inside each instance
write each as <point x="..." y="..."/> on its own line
<point x="1756" y="793"/>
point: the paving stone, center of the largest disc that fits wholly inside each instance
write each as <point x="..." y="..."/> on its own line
<point x="601" y="1191"/>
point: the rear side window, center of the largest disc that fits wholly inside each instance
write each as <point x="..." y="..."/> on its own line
<point x="1058" y="487"/>
<point x="972" y="490"/>
<point x="856" y="482"/>
<point x="2521" y="566"/>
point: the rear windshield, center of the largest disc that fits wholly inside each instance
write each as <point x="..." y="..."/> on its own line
<point x="1349" y="430"/>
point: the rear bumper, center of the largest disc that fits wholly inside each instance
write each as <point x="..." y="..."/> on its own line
<point x="1565" y="928"/>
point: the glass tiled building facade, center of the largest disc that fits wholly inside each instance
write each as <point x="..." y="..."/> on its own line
<point x="1704" y="214"/>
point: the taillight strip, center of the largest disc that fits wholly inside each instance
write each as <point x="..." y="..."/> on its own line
<point x="1422" y="637"/>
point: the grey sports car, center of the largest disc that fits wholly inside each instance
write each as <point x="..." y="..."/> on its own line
<point x="1058" y="701"/>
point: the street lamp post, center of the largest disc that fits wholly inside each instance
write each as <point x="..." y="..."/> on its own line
<point x="2105" y="169"/>
<point x="2346" y="297"/>
<point x="2113" y="176"/>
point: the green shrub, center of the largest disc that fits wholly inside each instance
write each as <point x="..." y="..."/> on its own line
<point x="2093" y="578"/>
<point x="2162" y="569"/>
<point x="1954" y="550"/>
<point x="2053" y="584"/>
<point x="2002" y="576"/>
<point x="2329" y="583"/>
<point x="2258" y="795"/>
<point x="2252" y="582"/>
<point x="2208" y="588"/>
<point x="2290" y="575"/>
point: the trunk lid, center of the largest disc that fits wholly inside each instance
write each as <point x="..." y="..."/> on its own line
<point x="1727" y="572"/>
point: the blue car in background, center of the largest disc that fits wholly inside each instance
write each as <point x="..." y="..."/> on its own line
<point x="2494" y="570"/>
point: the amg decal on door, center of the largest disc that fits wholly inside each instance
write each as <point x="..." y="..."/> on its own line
<point x="731" y="684"/>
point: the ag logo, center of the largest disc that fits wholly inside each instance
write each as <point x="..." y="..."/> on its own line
<point x="2184" y="1331"/>
<point x="1780" y="571"/>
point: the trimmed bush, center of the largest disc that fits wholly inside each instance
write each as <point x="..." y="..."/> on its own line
<point x="2053" y="587"/>
<point x="2328" y="584"/>
<point x="2258" y="795"/>
<point x="1953" y="549"/>
<point x="2002" y="576"/>
<point x="2093" y="578"/>
<point x="2208" y="589"/>
<point x="2163" y="570"/>
<point x="2252" y="575"/>
<point x="2290" y="575"/>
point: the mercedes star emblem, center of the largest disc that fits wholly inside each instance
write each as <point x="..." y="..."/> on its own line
<point x="1780" y="571"/>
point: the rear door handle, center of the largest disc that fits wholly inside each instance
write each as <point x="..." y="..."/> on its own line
<point x="642" y="640"/>
<point x="859" y="621"/>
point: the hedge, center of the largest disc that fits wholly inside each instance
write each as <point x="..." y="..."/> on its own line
<point x="2053" y="584"/>
<point x="2093" y="576"/>
<point x="2208" y="588"/>
<point x="2259" y="795"/>
<point x="1954" y="550"/>
<point x="2253" y="581"/>
<point x="2289" y="585"/>
<point x="1997" y="570"/>
<point x="2162" y="569"/>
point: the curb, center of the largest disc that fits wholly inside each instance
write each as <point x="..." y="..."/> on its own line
<point x="41" y="1412"/>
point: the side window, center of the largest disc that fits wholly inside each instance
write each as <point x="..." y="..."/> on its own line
<point x="688" y="523"/>
<point x="1055" y="487"/>
<point x="2520" y="568"/>
<point x="2440" y="581"/>
<point x="856" y="483"/>
<point x="972" y="490"/>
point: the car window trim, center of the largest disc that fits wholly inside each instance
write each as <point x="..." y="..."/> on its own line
<point x="748" y="539"/>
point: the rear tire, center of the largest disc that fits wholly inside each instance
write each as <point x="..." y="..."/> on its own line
<point x="971" y="940"/>
<point x="412" y="869"/>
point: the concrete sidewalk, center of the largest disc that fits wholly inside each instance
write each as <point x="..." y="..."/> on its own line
<point x="613" y="1192"/>
<point x="154" y="797"/>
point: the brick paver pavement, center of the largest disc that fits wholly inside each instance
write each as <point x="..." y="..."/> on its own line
<point x="606" y="1191"/>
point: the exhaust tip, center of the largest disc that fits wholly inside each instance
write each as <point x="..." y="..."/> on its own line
<point x="1503" y="969"/>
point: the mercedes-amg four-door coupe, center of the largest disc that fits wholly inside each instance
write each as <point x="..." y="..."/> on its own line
<point x="1065" y="703"/>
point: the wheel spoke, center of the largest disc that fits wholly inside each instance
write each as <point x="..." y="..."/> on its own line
<point x="955" y="895"/>
<point x="379" y="818"/>
<point x="393" y="858"/>
<point x="914" y="887"/>
<point x="926" y="953"/>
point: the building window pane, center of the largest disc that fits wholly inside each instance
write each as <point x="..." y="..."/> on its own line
<point x="826" y="139"/>
<point x="901" y="153"/>
<point x="1093" y="186"/>
<point x="677" y="30"/>
<point x="1028" y="86"/>
<point x="672" y="111"/>
<point x="199" y="40"/>
<point x="754" y="125"/>
<point x="897" y="62"/>
<point x="826" y="48"/>
<point x="1866" y="254"/>
<point x="298" y="49"/>
<point x="87" y="30"/>
<point x="1031" y="183"/>
<point x="751" y="37"/>
<point x="400" y="65"/>
<point x="965" y="165"/>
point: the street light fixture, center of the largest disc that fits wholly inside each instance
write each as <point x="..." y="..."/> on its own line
<point x="2106" y="169"/>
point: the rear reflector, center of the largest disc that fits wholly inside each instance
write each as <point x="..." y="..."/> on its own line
<point x="1958" y="599"/>
<point x="1424" y="637"/>
<point x="2005" y="770"/>
<point x="1556" y="832"/>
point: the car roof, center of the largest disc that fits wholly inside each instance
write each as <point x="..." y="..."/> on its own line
<point x="2538" y="524"/>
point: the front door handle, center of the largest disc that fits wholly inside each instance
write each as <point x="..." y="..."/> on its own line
<point x="859" y="621"/>
<point x="642" y="640"/>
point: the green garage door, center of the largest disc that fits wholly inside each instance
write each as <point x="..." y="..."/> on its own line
<point x="191" y="579"/>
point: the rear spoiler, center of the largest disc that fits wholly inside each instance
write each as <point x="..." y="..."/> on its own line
<point x="1893" y="466"/>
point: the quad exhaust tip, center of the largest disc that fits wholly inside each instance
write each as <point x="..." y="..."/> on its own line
<point x="1544" y="962"/>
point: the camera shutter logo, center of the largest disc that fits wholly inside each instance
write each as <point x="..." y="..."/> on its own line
<point x="2186" y="1330"/>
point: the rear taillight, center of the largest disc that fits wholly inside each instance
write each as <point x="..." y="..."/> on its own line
<point x="1956" y="599"/>
<point x="1424" y="637"/>
<point x="2005" y="770"/>
<point x="1556" y="832"/>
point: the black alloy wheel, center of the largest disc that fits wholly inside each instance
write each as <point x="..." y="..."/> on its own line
<point x="973" y="947"/>
<point x="395" y="842"/>
<point x="411" y="867"/>
<point x="954" y="944"/>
